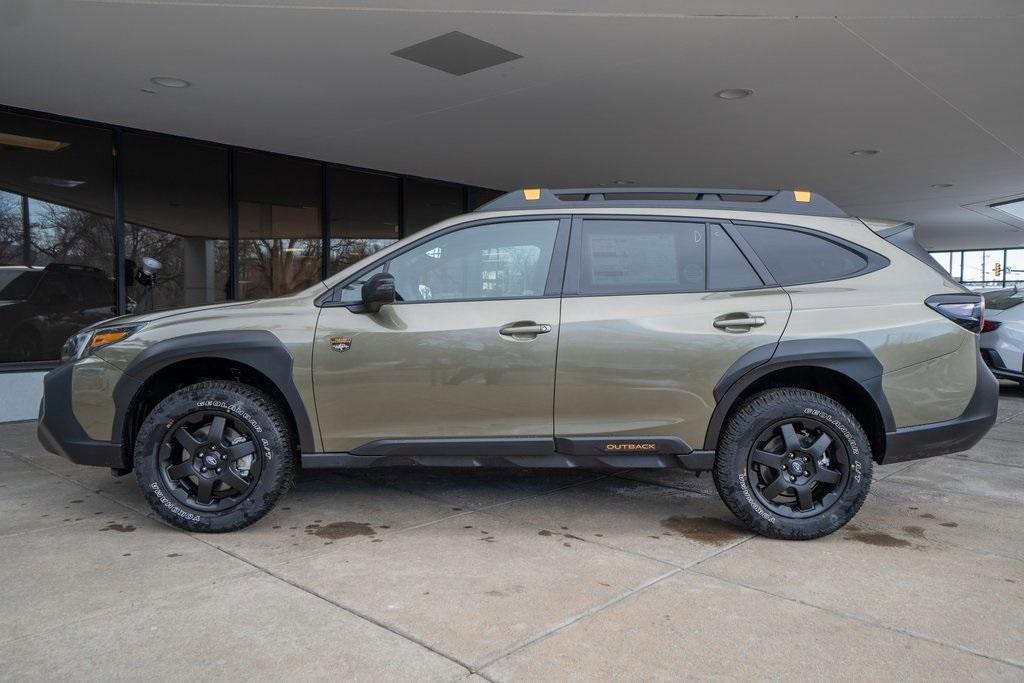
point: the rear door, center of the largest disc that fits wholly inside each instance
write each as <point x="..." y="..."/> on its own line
<point x="654" y="312"/>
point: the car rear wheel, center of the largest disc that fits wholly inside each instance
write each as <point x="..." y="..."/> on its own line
<point x="214" y="456"/>
<point x="793" y="464"/>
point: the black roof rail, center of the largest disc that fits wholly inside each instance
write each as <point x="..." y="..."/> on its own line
<point x="774" y="201"/>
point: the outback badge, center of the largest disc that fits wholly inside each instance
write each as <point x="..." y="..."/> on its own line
<point x="341" y="343"/>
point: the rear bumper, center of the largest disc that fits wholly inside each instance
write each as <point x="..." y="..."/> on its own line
<point x="951" y="436"/>
<point x="59" y="432"/>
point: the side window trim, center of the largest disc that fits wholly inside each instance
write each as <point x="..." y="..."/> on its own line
<point x="875" y="261"/>
<point x="573" y="268"/>
<point x="553" y="282"/>
<point x="748" y="252"/>
<point x="571" y="286"/>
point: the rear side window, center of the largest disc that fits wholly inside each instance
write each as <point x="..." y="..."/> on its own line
<point x="633" y="257"/>
<point x="728" y="268"/>
<point x="795" y="257"/>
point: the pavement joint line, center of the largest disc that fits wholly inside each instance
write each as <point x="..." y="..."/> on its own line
<point x="866" y="620"/>
<point x="968" y="494"/>
<point x="576" y="618"/>
<point x="267" y="571"/>
<point x="597" y="609"/>
<point x="996" y="437"/>
<point x="952" y="456"/>
<point x="346" y="608"/>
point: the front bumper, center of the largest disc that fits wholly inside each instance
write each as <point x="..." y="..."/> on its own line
<point x="60" y="432"/>
<point x="951" y="436"/>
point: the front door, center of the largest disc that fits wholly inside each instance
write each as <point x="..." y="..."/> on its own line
<point x="466" y="354"/>
<point x="655" y="312"/>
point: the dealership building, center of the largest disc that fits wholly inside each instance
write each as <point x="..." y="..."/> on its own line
<point x="139" y="175"/>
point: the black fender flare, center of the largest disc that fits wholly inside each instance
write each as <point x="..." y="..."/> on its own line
<point x="259" y="349"/>
<point x="849" y="357"/>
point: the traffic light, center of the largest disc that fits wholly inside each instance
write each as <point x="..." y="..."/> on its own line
<point x="997" y="270"/>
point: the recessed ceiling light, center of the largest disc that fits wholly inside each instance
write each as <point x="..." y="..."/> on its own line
<point x="170" y="82"/>
<point x="26" y="142"/>
<point x="56" y="182"/>
<point x="941" y="186"/>
<point x="734" y="93"/>
<point x="864" y="152"/>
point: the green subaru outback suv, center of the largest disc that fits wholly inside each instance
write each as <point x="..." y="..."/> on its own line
<point x="765" y="336"/>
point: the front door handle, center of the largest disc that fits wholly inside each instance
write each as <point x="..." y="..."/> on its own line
<point x="738" y="324"/>
<point x="524" y="330"/>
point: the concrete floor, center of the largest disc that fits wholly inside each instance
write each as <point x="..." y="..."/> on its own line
<point x="510" y="575"/>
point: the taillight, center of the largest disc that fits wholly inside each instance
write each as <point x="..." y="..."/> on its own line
<point x="990" y="325"/>
<point x="966" y="310"/>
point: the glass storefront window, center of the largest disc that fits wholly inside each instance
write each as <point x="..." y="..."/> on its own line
<point x="176" y="213"/>
<point x="1015" y="265"/>
<point x="364" y="214"/>
<point x="426" y="203"/>
<point x="62" y="277"/>
<point x="279" y="232"/>
<point x="974" y="266"/>
<point x="58" y="237"/>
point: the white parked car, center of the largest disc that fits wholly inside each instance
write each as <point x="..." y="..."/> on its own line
<point x="1002" y="337"/>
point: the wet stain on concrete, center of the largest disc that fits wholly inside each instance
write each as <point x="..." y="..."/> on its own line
<point x="709" y="530"/>
<point x="879" y="538"/>
<point x="927" y="515"/>
<point x="336" y="530"/>
<point x="174" y="555"/>
<point x="915" y="531"/>
<point x="488" y="539"/>
<point x="118" y="527"/>
<point x="950" y="525"/>
<point x="544" y="532"/>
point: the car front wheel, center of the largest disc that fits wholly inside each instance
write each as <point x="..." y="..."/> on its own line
<point x="214" y="456"/>
<point x="793" y="464"/>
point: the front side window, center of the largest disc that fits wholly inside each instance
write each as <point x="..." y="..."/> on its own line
<point x="634" y="257"/>
<point x="795" y="257"/>
<point x="499" y="261"/>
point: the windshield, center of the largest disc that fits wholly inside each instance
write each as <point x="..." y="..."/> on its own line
<point x="1003" y="299"/>
<point x="18" y="285"/>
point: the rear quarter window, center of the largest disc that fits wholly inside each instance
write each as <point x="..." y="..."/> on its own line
<point x="794" y="257"/>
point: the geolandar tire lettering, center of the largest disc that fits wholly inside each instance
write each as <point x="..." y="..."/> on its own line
<point x="215" y="456"/>
<point x="793" y="464"/>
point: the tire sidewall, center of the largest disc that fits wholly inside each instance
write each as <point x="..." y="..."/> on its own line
<point x="274" y="448"/>
<point x="758" y="414"/>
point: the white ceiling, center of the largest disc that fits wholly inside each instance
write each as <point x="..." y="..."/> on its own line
<point x="606" y="91"/>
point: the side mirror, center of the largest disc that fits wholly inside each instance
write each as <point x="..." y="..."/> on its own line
<point x="378" y="291"/>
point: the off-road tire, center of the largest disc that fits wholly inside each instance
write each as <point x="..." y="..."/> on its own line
<point x="240" y="404"/>
<point x="749" y="421"/>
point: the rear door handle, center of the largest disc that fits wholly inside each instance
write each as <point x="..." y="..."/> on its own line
<point x="525" y="329"/>
<point x="730" y="324"/>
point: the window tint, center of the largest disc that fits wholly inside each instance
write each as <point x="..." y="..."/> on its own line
<point x="795" y="257"/>
<point x="489" y="261"/>
<point x="728" y="268"/>
<point x="621" y="257"/>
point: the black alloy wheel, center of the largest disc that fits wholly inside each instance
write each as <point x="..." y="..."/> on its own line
<point x="210" y="460"/>
<point x="798" y="467"/>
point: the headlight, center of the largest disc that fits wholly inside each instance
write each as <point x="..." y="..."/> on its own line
<point x="85" y="342"/>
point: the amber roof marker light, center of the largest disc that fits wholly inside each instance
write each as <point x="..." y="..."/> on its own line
<point x="802" y="196"/>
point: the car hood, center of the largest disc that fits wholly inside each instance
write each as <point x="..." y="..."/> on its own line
<point x="170" y="313"/>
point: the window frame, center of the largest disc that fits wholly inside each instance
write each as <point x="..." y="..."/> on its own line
<point x="553" y="282"/>
<point x="873" y="260"/>
<point x="574" y="265"/>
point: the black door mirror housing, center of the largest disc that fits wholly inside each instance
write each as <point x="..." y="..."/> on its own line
<point x="378" y="291"/>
